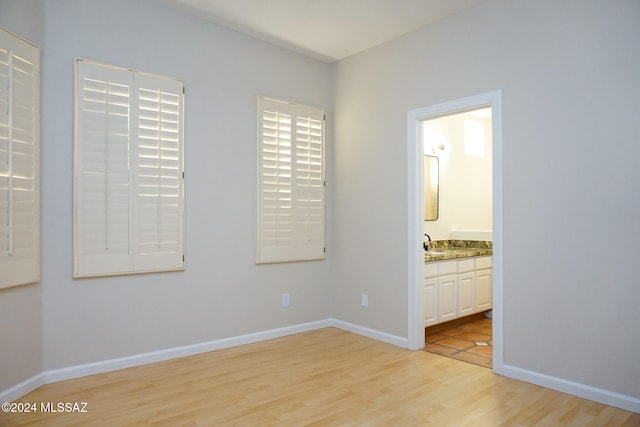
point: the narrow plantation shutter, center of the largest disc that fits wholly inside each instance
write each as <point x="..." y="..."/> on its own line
<point x="159" y="184"/>
<point x="129" y="171"/>
<point x="103" y="195"/>
<point x="291" y="182"/>
<point x="19" y="162"/>
<point x="309" y="183"/>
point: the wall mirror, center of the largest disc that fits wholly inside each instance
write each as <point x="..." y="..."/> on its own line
<point x="430" y="188"/>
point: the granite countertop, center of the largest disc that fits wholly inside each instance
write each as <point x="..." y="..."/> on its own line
<point x="440" y="250"/>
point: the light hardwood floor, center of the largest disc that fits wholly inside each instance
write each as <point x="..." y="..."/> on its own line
<point x="327" y="377"/>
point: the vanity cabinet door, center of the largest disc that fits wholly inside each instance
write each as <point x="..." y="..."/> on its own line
<point x="466" y="293"/>
<point x="484" y="289"/>
<point x="447" y="297"/>
<point x="430" y="301"/>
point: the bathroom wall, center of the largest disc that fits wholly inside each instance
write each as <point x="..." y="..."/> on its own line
<point x="465" y="184"/>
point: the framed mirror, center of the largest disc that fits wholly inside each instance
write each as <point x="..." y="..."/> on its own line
<point x="431" y="173"/>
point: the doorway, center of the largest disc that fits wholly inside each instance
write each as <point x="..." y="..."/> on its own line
<point x="415" y="120"/>
<point x="459" y="222"/>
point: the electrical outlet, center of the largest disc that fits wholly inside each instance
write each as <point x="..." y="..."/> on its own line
<point x="365" y="300"/>
<point x="285" y="299"/>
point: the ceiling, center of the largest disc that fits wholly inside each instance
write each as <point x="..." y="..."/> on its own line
<point x="327" y="30"/>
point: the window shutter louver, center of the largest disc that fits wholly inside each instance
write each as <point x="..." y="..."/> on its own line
<point x="129" y="171"/>
<point x="19" y="162"/>
<point x="291" y="182"/>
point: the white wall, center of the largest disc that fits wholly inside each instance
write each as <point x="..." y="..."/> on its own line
<point x="222" y="293"/>
<point x="569" y="75"/>
<point x="465" y="181"/>
<point x="21" y="333"/>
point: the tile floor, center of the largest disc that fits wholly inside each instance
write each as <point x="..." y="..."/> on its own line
<point x="470" y="341"/>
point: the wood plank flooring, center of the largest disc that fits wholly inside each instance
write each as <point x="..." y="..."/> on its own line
<point x="327" y="377"/>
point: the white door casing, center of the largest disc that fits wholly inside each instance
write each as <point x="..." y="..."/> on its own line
<point x="415" y="261"/>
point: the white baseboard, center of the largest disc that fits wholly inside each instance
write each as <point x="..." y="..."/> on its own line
<point x="371" y="333"/>
<point x="173" y="353"/>
<point x="55" y="375"/>
<point x="19" y="390"/>
<point x="622" y="401"/>
<point x="188" y="350"/>
<point x="606" y="397"/>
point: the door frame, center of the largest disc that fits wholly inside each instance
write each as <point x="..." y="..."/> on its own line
<point x="415" y="152"/>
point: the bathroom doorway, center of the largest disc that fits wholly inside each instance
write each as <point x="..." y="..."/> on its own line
<point x="458" y="187"/>
<point x="490" y="102"/>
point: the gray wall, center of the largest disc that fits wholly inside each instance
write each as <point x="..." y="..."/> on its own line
<point x="21" y="330"/>
<point x="222" y="293"/>
<point x="569" y="75"/>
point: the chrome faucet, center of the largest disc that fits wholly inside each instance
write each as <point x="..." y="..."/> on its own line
<point x="425" y="245"/>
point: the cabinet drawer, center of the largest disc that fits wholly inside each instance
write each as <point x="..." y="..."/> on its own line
<point x="466" y="265"/>
<point x="447" y="267"/>
<point x="431" y="269"/>
<point x="484" y="262"/>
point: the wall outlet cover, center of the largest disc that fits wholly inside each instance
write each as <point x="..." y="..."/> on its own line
<point x="285" y="300"/>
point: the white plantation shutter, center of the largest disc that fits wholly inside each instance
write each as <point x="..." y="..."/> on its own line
<point x="129" y="186"/>
<point x="291" y="183"/>
<point x="103" y="108"/>
<point x="19" y="161"/>
<point x="159" y="184"/>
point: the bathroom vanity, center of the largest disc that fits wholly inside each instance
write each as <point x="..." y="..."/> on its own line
<point x="458" y="281"/>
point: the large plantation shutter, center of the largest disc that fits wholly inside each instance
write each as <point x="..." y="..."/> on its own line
<point x="291" y="182"/>
<point x="129" y="182"/>
<point x="19" y="161"/>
